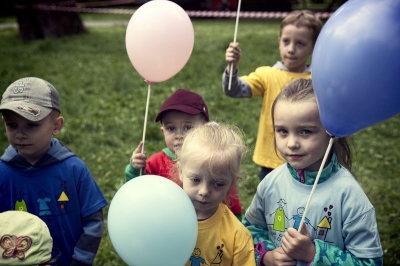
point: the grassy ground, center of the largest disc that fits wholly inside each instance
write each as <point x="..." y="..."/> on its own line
<point x="103" y="102"/>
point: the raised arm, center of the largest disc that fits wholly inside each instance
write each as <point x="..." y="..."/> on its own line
<point x="232" y="57"/>
<point x="138" y="161"/>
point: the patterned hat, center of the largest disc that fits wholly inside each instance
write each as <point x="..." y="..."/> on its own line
<point x="32" y="98"/>
<point x="24" y="239"/>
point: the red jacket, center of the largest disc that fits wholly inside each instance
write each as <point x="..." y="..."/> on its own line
<point x="161" y="163"/>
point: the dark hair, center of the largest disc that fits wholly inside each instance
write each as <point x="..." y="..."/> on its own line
<point x="303" y="18"/>
<point x="302" y="90"/>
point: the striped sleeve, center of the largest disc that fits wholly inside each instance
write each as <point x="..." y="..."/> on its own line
<point x="89" y="242"/>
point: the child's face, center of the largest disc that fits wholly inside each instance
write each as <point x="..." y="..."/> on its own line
<point x="175" y="126"/>
<point x="299" y="134"/>
<point x="295" y="46"/>
<point x="31" y="139"/>
<point x="205" y="189"/>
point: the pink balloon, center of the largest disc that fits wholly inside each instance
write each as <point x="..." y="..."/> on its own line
<point x="159" y="40"/>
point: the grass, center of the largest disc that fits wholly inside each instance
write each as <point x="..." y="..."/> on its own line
<point x="103" y="101"/>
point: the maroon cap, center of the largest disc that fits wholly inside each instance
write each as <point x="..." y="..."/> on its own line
<point x="184" y="101"/>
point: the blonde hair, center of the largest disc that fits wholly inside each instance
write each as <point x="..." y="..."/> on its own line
<point x="302" y="90"/>
<point x="219" y="147"/>
<point x="303" y="18"/>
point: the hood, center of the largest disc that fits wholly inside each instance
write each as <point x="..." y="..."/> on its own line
<point x="57" y="152"/>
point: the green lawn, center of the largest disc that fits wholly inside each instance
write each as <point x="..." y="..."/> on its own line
<point x="103" y="101"/>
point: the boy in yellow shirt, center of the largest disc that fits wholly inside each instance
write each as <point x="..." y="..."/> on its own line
<point x="298" y="34"/>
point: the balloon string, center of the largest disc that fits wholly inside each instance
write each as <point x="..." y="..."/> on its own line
<point x="234" y="40"/>
<point x="145" y="119"/>
<point x="315" y="183"/>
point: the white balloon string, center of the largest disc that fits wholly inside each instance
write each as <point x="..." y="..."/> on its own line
<point x="145" y="120"/>
<point x="234" y="41"/>
<point x="315" y="183"/>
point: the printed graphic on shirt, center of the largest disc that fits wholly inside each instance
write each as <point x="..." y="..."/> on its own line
<point x="62" y="201"/>
<point x="20" y="204"/>
<point x="218" y="258"/>
<point x="43" y="205"/>
<point x="50" y="203"/>
<point x="53" y="207"/>
<point x="297" y="219"/>
<point x="281" y="222"/>
<point x="325" y="224"/>
<point x="197" y="260"/>
<point x="279" y="226"/>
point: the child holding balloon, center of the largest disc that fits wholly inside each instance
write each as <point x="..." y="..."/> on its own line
<point x="298" y="34"/>
<point x="207" y="168"/>
<point x="341" y="228"/>
<point x="179" y="114"/>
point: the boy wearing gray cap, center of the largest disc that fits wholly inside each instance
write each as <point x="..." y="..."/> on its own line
<point x="41" y="176"/>
<point x="179" y="113"/>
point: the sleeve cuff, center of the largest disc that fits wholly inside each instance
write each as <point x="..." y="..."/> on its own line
<point x="234" y="74"/>
<point x="260" y="250"/>
<point x="309" y="263"/>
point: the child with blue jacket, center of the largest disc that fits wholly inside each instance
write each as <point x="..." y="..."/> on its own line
<point x="39" y="175"/>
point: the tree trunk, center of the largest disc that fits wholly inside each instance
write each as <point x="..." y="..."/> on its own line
<point x="36" y="23"/>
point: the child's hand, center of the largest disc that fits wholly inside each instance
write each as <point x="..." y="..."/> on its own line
<point x="138" y="159"/>
<point x="232" y="56"/>
<point x="278" y="257"/>
<point x="298" y="245"/>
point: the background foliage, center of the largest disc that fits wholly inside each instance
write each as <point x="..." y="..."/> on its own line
<point x="103" y="101"/>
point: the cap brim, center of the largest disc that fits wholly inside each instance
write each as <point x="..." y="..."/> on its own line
<point x="181" y="108"/>
<point x="32" y="112"/>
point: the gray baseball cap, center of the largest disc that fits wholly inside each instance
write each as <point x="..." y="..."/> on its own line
<point x="32" y="98"/>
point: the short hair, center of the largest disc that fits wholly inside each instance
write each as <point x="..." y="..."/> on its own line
<point x="302" y="90"/>
<point x="221" y="148"/>
<point x="303" y="18"/>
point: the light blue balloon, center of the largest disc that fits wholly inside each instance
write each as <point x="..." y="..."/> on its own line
<point x="356" y="66"/>
<point x="152" y="222"/>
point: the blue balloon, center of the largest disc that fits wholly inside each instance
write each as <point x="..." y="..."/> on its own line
<point x="356" y="66"/>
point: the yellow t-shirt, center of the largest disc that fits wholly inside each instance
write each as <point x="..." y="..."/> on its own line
<point x="268" y="82"/>
<point x="223" y="240"/>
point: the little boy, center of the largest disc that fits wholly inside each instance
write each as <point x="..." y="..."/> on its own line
<point x="41" y="176"/>
<point x="179" y="113"/>
<point x="298" y="34"/>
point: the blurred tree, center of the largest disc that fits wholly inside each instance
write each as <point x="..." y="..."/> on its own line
<point x="37" y="20"/>
<point x="334" y="4"/>
<point x="6" y="8"/>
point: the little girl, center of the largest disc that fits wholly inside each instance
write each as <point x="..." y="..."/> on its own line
<point x="340" y="227"/>
<point x="207" y="168"/>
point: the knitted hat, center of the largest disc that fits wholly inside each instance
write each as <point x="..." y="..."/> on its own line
<point x="184" y="101"/>
<point x="33" y="98"/>
<point x="24" y="239"/>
